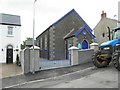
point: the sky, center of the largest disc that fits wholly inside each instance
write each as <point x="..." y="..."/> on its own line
<point x="49" y="11"/>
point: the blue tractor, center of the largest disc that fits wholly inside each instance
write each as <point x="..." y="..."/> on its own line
<point x="109" y="51"/>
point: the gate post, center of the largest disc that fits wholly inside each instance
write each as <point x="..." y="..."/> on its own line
<point x="25" y="60"/>
<point x="94" y="46"/>
<point x="73" y="53"/>
<point x="28" y="65"/>
<point x="34" y="65"/>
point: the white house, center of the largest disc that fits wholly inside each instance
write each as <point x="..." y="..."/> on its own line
<point x="10" y="29"/>
<point x="104" y="27"/>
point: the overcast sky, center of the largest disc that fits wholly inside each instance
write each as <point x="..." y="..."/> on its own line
<point x="49" y="11"/>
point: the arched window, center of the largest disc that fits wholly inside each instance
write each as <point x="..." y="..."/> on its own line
<point x="103" y="34"/>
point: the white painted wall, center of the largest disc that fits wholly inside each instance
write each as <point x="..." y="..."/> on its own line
<point x="6" y="40"/>
<point x="0" y="44"/>
<point x="102" y="28"/>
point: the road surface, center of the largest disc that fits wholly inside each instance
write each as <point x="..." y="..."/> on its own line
<point x="87" y="78"/>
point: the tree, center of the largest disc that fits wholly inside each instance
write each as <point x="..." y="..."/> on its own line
<point x="23" y="45"/>
<point x="24" y="42"/>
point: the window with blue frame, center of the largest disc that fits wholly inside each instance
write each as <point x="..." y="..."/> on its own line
<point x="79" y="45"/>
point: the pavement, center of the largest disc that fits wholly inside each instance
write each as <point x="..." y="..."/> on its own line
<point x="41" y="75"/>
<point x="9" y="70"/>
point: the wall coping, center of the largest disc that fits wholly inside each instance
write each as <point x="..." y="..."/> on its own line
<point x="73" y="47"/>
<point x="35" y="47"/>
<point x="94" y="44"/>
<point x="86" y="50"/>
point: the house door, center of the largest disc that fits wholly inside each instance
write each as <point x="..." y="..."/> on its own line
<point x="84" y="44"/>
<point x="9" y="56"/>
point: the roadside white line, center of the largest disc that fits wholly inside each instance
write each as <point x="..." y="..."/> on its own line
<point x="35" y="81"/>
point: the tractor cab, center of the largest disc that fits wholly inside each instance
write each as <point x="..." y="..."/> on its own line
<point x="116" y="33"/>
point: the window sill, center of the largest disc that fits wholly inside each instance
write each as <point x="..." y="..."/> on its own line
<point x="10" y="36"/>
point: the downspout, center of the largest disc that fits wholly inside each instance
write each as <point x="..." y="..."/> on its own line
<point x="66" y="50"/>
<point x="109" y="36"/>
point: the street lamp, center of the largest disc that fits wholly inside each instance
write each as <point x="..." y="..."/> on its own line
<point x="33" y="71"/>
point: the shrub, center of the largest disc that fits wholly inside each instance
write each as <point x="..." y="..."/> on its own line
<point x="18" y="60"/>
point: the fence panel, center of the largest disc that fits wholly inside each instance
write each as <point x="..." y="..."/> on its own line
<point x="85" y="56"/>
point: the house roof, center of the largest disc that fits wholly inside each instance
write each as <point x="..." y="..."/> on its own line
<point x="114" y="20"/>
<point x="8" y="19"/>
<point x="73" y="10"/>
<point x="77" y="32"/>
<point x="81" y="29"/>
<point x="63" y="18"/>
<point x="70" y="34"/>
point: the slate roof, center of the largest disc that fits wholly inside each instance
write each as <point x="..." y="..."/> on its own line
<point x="73" y="10"/>
<point x="77" y="32"/>
<point x="81" y="29"/>
<point x="70" y="34"/>
<point x="63" y="18"/>
<point x="8" y="19"/>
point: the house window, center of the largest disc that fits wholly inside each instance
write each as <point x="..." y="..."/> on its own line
<point x="84" y="33"/>
<point x="103" y="34"/>
<point x="10" y="30"/>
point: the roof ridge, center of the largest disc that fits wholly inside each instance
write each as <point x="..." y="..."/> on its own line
<point x="63" y="17"/>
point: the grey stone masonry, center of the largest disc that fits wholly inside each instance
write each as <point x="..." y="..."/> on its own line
<point x="85" y="56"/>
<point x="78" y="56"/>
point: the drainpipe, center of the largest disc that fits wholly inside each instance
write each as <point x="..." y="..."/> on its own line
<point x="109" y="36"/>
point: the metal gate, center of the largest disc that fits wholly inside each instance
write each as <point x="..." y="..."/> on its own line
<point x="50" y="64"/>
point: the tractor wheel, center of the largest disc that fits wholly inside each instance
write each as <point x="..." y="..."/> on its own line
<point x="109" y="60"/>
<point x="98" y="62"/>
<point x="116" y="60"/>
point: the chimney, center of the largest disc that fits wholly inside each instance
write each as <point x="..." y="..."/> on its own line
<point x="103" y="15"/>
